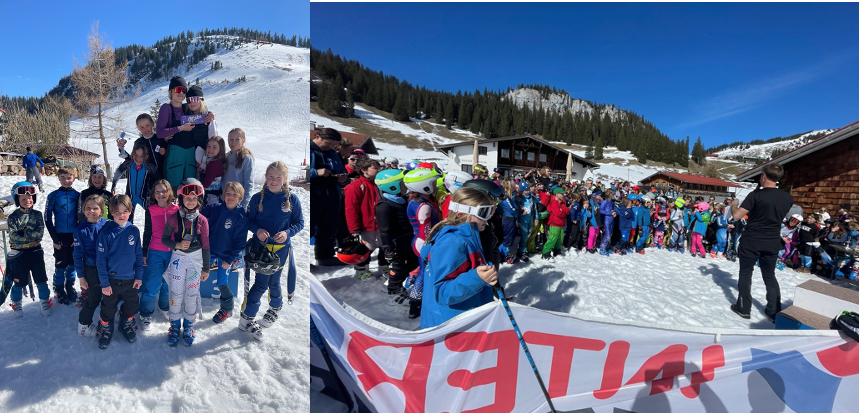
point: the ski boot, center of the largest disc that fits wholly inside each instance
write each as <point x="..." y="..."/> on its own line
<point x="145" y="323"/>
<point x="713" y="254"/>
<point x="605" y="252"/>
<point x="105" y="333"/>
<point x="680" y="250"/>
<point x="546" y="256"/>
<point x="46" y="306"/>
<point x="221" y="315"/>
<point x="270" y="317"/>
<point x="557" y="252"/>
<point x="397" y="296"/>
<point x="414" y="309"/>
<point x="641" y="251"/>
<point x="659" y="246"/>
<point x="188" y="332"/>
<point x="173" y="333"/>
<point x="60" y="294"/>
<point x="81" y="299"/>
<point x="669" y="249"/>
<point x="17" y="308"/>
<point x="290" y="297"/>
<point x="128" y="328"/>
<point x="166" y="314"/>
<point x="592" y="251"/>
<point x="523" y="257"/>
<point x="248" y="325"/>
<point x="779" y="265"/>
<point x="510" y="258"/>
<point x="87" y="330"/>
<point x="71" y="293"/>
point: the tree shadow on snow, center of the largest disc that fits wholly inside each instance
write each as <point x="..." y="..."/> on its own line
<point x="531" y="288"/>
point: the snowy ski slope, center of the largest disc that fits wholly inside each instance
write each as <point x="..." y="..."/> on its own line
<point x="271" y="106"/>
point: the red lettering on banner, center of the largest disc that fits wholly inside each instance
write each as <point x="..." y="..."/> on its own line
<point x="671" y="362"/>
<point x="414" y="381"/>
<point x="563" y="348"/>
<point x="504" y="374"/>
<point x="612" y="374"/>
<point x="841" y="361"/>
<point x="712" y="358"/>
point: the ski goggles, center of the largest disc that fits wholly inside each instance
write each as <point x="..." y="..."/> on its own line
<point x="191" y="189"/>
<point x="195" y="99"/>
<point x="483" y="211"/>
<point x="25" y="190"/>
<point x="179" y="89"/>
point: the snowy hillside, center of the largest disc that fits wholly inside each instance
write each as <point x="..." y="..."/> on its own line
<point x="48" y="367"/>
<point x="557" y="102"/>
<point x="765" y="150"/>
<point x="270" y="106"/>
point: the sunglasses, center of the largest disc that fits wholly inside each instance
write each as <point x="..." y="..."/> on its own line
<point x="482" y="212"/>
<point x="179" y="89"/>
<point x="25" y="190"/>
<point x="191" y="189"/>
<point x="353" y="159"/>
<point x="195" y="99"/>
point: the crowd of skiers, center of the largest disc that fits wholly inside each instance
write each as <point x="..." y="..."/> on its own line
<point x="191" y="229"/>
<point x="441" y="237"/>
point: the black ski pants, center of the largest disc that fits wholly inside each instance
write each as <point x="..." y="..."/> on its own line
<point x="749" y="255"/>
<point x="122" y="289"/>
<point x="93" y="295"/>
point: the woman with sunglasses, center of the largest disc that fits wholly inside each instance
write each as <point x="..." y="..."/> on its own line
<point x="180" y="161"/>
<point x="457" y="275"/>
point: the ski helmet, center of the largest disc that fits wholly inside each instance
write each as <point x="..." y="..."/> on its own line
<point x="32" y="192"/>
<point x="260" y="259"/>
<point x="421" y="181"/>
<point x="703" y="206"/>
<point x="193" y="187"/>
<point x="523" y="186"/>
<point x="411" y="166"/>
<point x="647" y="197"/>
<point x="454" y="180"/>
<point x="389" y="180"/>
<point x="634" y="197"/>
<point x="680" y="203"/>
<point x="557" y="190"/>
<point x="487" y="187"/>
<point x="392" y="162"/>
<point x="353" y="251"/>
<point x="797" y="217"/>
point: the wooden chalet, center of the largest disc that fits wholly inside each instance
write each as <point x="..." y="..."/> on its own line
<point x="364" y="142"/>
<point x="513" y="154"/>
<point x="821" y="173"/>
<point x="691" y="184"/>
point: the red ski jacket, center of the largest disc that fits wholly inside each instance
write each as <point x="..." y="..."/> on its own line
<point x="558" y="213"/>
<point x="361" y="197"/>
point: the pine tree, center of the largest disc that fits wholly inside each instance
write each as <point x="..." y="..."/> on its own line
<point x="598" y="147"/>
<point x="698" y="154"/>
<point x="153" y="110"/>
<point x="401" y="112"/>
<point x="350" y="104"/>
<point x="589" y="152"/>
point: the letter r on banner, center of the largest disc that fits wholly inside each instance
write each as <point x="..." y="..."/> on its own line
<point x="414" y="381"/>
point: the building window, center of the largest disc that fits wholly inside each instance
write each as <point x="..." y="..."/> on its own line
<point x="542" y="157"/>
<point x="466" y="168"/>
<point x="531" y="156"/>
<point x="505" y="153"/>
<point x="481" y="150"/>
<point x="518" y="155"/>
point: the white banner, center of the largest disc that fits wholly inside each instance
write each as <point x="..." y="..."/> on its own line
<point x="474" y="363"/>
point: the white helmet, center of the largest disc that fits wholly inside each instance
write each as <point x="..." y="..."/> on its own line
<point x="421" y="181"/>
<point x="454" y="180"/>
<point x="392" y="161"/>
<point x="797" y="217"/>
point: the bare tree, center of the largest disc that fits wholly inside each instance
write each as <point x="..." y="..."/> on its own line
<point x="102" y="84"/>
<point x="47" y="127"/>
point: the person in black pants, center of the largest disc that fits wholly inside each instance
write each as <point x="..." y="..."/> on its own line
<point x="326" y="176"/>
<point x="766" y="207"/>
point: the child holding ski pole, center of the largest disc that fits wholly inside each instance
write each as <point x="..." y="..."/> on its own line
<point x="458" y="278"/>
<point x="156" y="255"/>
<point x="85" y="238"/>
<point x="275" y="217"/>
<point x="26" y="228"/>
<point x="186" y="233"/>
<point x="119" y="260"/>
<point x="228" y="231"/>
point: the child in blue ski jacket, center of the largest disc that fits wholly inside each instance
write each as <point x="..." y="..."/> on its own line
<point x="607" y="209"/>
<point x="275" y="217"/>
<point x="228" y="234"/>
<point x="573" y="235"/>
<point x="61" y="220"/>
<point x="527" y="204"/>
<point x="85" y="238"/>
<point x="700" y="221"/>
<point x="626" y="222"/>
<point x="457" y="277"/>
<point x="642" y="222"/>
<point x="119" y="259"/>
<point x="510" y="222"/>
<point x="721" y="224"/>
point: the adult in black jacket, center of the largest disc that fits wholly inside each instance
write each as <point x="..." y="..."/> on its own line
<point x="326" y="176"/>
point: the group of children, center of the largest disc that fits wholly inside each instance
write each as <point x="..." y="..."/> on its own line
<point x="182" y="243"/>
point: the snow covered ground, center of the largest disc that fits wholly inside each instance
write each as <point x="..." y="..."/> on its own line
<point x="766" y="149"/>
<point x="659" y="287"/>
<point x="271" y="106"/>
<point x="48" y="367"/>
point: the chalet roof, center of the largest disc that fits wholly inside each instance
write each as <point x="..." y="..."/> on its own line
<point x="822" y="142"/>
<point x="71" y="151"/>
<point x="692" y="179"/>
<point x="508" y="138"/>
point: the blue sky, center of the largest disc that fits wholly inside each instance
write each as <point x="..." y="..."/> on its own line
<point x="725" y="72"/>
<point x="39" y="39"/>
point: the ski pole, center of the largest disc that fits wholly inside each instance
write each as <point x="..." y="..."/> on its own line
<point x="500" y="293"/>
<point x="317" y="339"/>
